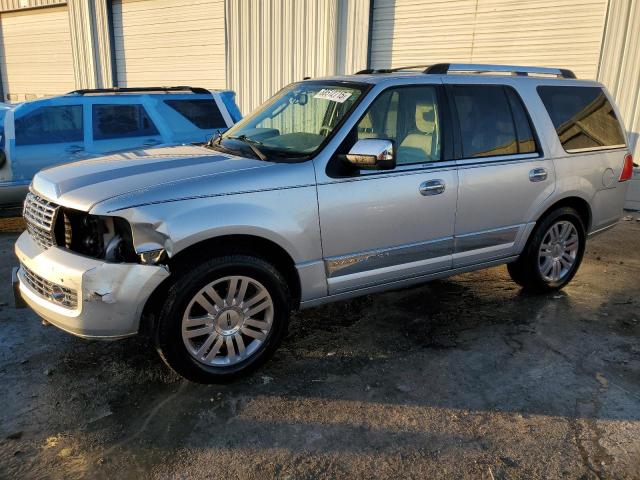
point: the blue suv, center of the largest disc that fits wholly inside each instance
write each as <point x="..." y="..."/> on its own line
<point x="85" y="123"/>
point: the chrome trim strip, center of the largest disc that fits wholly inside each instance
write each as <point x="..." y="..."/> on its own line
<point x="403" y="283"/>
<point x="595" y="149"/>
<point x="386" y="257"/>
<point x="463" y="162"/>
<point x="602" y="230"/>
<point x="488" y="238"/>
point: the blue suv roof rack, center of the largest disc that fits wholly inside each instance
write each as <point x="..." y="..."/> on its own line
<point x="115" y="90"/>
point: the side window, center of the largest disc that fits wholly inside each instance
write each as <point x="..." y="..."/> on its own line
<point x="46" y="125"/>
<point x="583" y="117"/>
<point x="202" y="113"/>
<point x="409" y="116"/>
<point x="117" y="121"/>
<point x="486" y="123"/>
<point x="524" y="131"/>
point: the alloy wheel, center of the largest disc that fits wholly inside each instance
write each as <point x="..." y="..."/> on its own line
<point x="227" y="321"/>
<point x="558" y="251"/>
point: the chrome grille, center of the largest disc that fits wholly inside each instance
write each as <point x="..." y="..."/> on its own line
<point x="63" y="296"/>
<point x="40" y="216"/>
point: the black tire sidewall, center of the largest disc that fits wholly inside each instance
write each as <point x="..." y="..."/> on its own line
<point x="532" y="277"/>
<point x="168" y="334"/>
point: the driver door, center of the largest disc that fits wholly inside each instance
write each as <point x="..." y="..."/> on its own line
<point x="379" y="227"/>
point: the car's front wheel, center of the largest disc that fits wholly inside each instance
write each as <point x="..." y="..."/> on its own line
<point x="553" y="254"/>
<point x="223" y="318"/>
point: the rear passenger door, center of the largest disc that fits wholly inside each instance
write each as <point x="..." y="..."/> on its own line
<point x="122" y="126"/>
<point x="502" y="172"/>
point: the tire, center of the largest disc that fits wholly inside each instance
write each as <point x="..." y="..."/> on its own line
<point x="207" y="340"/>
<point x="533" y="271"/>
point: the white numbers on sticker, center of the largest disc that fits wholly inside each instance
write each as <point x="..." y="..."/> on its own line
<point x="339" y="96"/>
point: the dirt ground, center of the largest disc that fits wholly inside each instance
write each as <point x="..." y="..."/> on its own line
<point x="463" y="378"/>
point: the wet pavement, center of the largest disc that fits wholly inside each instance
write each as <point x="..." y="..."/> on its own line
<point x="462" y="378"/>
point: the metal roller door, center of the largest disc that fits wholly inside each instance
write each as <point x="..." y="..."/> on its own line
<point x="169" y="42"/>
<point x="553" y="33"/>
<point x="36" y="59"/>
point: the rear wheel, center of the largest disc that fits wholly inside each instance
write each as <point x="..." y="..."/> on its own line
<point x="553" y="254"/>
<point x="223" y="319"/>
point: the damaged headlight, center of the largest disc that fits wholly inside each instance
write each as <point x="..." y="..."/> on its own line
<point x="105" y="238"/>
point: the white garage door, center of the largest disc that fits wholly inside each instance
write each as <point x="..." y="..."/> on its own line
<point x="553" y="33"/>
<point x="169" y="42"/>
<point x="36" y="56"/>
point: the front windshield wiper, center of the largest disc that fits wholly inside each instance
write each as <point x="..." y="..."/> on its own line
<point x="252" y="145"/>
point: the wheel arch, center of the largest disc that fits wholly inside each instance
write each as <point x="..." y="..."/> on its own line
<point x="224" y="245"/>
<point x="577" y="203"/>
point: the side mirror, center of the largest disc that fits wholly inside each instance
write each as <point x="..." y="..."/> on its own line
<point x="372" y="154"/>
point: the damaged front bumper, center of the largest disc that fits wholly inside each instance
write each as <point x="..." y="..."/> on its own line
<point x="84" y="296"/>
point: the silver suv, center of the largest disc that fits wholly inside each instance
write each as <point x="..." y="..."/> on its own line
<point x="334" y="188"/>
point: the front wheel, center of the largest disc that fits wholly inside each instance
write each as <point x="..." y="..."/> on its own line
<point x="223" y="318"/>
<point x="553" y="254"/>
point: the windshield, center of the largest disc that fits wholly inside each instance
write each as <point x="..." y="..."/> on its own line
<point x="296" y="121"/>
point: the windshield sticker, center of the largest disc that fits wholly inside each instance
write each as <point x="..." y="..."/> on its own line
<point x="339" y="96"/>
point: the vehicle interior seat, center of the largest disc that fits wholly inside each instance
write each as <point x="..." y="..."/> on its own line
<point x="419" y="146"/>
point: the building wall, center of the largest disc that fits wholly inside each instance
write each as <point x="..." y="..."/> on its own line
<point x="619" y="70"/>
<point x="553" y="33"/>
<point x="271" y="43"/>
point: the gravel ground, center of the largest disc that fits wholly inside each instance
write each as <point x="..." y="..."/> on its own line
<point x="463" y="378"/>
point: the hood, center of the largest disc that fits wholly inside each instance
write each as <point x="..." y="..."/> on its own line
<point x="151" y="176"/>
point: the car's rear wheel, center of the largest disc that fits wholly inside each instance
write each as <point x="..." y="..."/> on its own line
<point x="553" y="254"/>
<point x="223" y="318"/>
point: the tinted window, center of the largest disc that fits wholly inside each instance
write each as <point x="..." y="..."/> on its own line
<point x="409" y="117"/>
<point x="202" y="113"/>
<point x="524" y="132"/>
<point x="486" y="122"/>
<point x="50" y="125"/>
<point x="117" y="121"/>
<point x="583" y="117"/>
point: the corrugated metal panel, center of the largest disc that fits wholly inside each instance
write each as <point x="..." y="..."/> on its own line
<point x="102" y="44"/>
<point x="8" y="5"/>
<point x="272" y="43"/>
<point x="91" y="43"/>
<point x="80" y="17"/>
<point x="561" y="33"/>
<point x="620" y="72"/>
<point x="36" y="55"/>
<point x="169" y="42"/>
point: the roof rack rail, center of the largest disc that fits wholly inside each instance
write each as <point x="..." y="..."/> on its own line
<point x="444" y="68"/>
<point x="390" y="70"/>
<point x="88" y="91"/>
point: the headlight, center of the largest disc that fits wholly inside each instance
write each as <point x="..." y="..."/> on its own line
<point x="107" y="238"/>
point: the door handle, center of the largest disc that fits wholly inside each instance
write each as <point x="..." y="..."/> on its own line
<point x="74" y="149"/>
<point x="432" y="187"/>
<point x="538" y="174"/>
<point x="150" y="142"/>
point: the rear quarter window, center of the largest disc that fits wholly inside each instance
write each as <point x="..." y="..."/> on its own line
<point x="204" y="114"/>
<point x="583" y="117"/>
